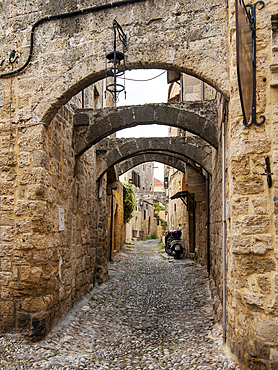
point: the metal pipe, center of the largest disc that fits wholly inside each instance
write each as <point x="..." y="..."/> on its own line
<point x="208" y="223"/>
<point x="224" y="224"/>
<point x="202" y="90"/>
<point x="194" y="229"/>
<point x="63" y="16"/>
<point x="111" y="227"/>
<point x="83" y="99"/>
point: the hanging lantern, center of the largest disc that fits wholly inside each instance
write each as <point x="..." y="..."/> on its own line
<point x="117" y="59"/>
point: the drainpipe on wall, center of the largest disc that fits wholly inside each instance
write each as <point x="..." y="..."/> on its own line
<point x="111" y="227"/>
<point x="208" y="223"/>
<point x="202" y="90"/>
<point x="83" y="98"/>
<point x="223" y="220"/>
<point x="194" y="231"/>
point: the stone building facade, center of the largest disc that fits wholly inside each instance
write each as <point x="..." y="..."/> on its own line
<point x="162" y="199"/>
<point x="188" y="212"/>
<point x="142" y="223"/>
<point x="46" y="268"/>
<point x="38" y="279"/>
<point x="48" y="264"/>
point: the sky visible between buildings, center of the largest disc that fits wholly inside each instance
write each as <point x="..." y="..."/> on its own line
<point x="139" y="92"/>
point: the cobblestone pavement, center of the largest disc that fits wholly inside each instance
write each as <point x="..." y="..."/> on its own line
<point x="153" y="313"/>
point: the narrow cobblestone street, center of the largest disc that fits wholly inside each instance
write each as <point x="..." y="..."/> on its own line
<point x="153" y="313"/>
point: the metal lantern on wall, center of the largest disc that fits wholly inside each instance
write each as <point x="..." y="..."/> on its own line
<point x="117" y="59"/>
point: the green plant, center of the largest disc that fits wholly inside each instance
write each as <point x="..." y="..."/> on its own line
<point x="160" y="243"/>
<point x="157" y="209"/>
<point x="129" y="202"/>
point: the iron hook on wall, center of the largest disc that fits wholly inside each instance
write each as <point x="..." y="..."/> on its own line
<point x="12" y="56"/>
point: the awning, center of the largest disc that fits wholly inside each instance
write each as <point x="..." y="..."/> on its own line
<point x="182" y="195"/>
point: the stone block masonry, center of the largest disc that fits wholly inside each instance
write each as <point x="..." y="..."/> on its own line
<point x="45" y="269"/>
<point x="251" y="257"/>
<point x="69" y="54"/>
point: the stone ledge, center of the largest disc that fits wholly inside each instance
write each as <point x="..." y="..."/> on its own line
<point x="274" y="83"/>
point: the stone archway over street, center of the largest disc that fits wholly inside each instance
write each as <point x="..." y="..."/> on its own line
<point x="118" y="150"/>
<point x="197" y="117"/>
<point x="176" y="161"/>
<point x="68" y="53"/>
<point x="56" y="218"/>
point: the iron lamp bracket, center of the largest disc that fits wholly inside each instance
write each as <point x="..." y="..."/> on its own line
<point x="268" y="172"/>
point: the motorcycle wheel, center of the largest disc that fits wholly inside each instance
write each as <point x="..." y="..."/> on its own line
<point x="167" y="250"/>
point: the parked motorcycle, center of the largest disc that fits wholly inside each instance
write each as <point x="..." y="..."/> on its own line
<point x="173" y="243"/>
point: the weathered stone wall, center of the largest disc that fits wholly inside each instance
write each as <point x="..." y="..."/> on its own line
<point x="144" y="197"/>
<point x="251" y="232"/>
<point x="216" y="228"/>
<point x="116" y="222"/>
<point x="192" y="89"/>
<point x="178" y="216"/>
<point x="90" y="97"/>
<point x="197" y="186"/>
<point x="196" y="37"/>
<point x="44" y="270"/>
<point x="69" y="54"/>
<point x="177" y="212"/>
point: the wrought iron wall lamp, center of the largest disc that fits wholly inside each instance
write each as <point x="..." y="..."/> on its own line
<point x="117" y="59"/>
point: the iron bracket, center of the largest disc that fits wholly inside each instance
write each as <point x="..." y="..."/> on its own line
<point x="191" y="198"/>
<point x="251" y="13"/>
<point x="184" y="203"/>
<point x="268" y="172"/>
<point x="121" y="34"/>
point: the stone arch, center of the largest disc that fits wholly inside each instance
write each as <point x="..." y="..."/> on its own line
<point x="176" y="161"/>
<point x="118" y="150"/>
<point x="47" y="108"/>
<point x="199" y="118"/>
<point x="69" y="53"/>
<point x="162" y="198"/>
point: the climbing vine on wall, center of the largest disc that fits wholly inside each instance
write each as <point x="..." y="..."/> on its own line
<point x="129" y="202"/>
<point x="157" y="209"/>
